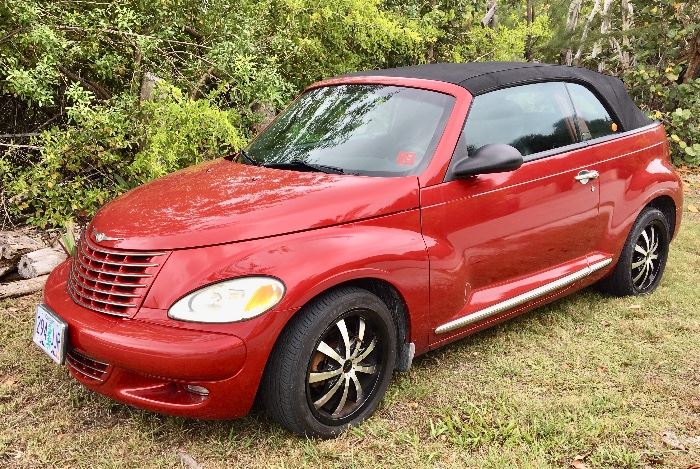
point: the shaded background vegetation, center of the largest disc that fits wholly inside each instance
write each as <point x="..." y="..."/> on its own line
<point x="78" y="125"/>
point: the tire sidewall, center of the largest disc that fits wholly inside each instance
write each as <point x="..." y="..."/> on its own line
<point x="647" y="217"/>
<point x="328" y="316"/>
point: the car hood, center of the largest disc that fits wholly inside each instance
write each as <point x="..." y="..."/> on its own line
<point x="221" y="202"/>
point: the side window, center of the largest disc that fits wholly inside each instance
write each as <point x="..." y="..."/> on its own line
<point x="592" y="118"/>
<point x="532" y="118"/>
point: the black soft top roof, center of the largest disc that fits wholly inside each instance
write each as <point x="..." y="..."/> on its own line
<point x="482" y="77"/>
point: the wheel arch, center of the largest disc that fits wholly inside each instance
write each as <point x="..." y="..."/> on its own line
<point x="390" y="295"/>
<point x="394" y="301"/>
<point x="667" y="206"/>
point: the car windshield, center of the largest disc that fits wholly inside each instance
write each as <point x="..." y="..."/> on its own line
<point x="371" y="130"/>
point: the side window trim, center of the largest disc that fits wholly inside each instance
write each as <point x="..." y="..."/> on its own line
<point x="568" y="148"/>
<point x="589" y="143"/>
<point x="613" y="115"/>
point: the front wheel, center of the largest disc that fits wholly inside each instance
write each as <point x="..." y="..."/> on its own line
<point x="643" y="258"/>
<point x="331" y="366"/>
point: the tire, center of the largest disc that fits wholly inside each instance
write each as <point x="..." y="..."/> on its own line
<point x="638" y="271"/>
<point x="328" y="372"/>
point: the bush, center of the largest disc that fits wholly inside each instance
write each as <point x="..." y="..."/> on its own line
<point x="254" y="55"/>
<point x="110" y="147"/>
<point x="677" y="105"/>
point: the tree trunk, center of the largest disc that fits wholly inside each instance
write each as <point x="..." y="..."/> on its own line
<point x="627" y="21"/>
<point x="604" y="30"/>
<point x="197" y="90"/>
<point x="39" y="262"/>
<point x="148" y="86"/>
<point x="571" y="24"/>
<point x="23" y="287"/>
<point x="430" y="53"/>
<point x="267" y="114"/>
<point x="490" y="18"/>
<point x="586" y="29"/>
<point x="530" y="17"/>
<point x="693" y="60"/>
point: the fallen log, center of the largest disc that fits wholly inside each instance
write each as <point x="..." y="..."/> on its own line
<point x="36" y="263"/>
<point x="22" y="287"/>
<point x="6" y="267"/>
<point x="12" y="246"/>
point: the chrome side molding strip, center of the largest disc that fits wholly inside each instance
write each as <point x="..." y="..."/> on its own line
<point x="522" y="298"/>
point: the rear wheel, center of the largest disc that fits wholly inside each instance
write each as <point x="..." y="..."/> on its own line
<point x="332" y="364"/>
<point x="643" y="258"/>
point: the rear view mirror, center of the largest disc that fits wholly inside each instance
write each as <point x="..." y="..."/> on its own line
<point x="492" y="158"/>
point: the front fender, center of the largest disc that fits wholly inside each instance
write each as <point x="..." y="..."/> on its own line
<point x="389" y="248"/>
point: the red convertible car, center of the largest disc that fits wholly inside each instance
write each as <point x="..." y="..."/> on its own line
<point x="382" y="215"/>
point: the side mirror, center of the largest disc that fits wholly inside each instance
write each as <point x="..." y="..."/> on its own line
<point x="492" y="158"/>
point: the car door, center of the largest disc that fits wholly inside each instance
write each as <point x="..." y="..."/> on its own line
<point x="495" y="236"/>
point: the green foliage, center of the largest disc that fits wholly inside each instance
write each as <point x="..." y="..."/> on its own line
<point x="661" y="80"/>
<point x="109" y="148"/>
<point x="72" y="72"/>
<point x="84" y="61"/>
<point x="676" y="105"/>
<point x="503" y="43"/>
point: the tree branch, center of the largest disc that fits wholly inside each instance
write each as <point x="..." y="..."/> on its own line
<point x="100" y="92"/>
<point x="196" y="91"/>
<point x="571" y="24"/>
<point x="11" y="34"/>
<point x="130" y="34"/>
<point x="627" y="21"/>
<point x="194" y="34"/>
<point x="25" y="135"/>
<point x="28" y="147"/>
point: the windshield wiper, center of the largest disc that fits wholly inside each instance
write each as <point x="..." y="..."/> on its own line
<point x="306" y="165"/>
<point x="245" y="155"/>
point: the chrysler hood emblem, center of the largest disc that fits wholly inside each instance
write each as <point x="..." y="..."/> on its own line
<point x="99" y="237"/>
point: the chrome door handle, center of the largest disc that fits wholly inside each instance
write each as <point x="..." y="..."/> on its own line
<point x="586" y="175"/>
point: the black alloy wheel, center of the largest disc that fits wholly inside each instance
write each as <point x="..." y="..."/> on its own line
<point x="344" y="369"/>
<point x="332" y="363"/>
<point x="643" y="258"/>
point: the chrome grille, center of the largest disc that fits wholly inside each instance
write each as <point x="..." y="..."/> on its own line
<point x="112" y="281"/>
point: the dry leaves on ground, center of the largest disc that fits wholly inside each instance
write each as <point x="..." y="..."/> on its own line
<point x="578" y="463"/>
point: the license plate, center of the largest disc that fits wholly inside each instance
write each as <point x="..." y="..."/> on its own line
<point x="50" y="334"/>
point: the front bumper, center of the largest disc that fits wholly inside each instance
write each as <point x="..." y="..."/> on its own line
<point x="150" y="365"/>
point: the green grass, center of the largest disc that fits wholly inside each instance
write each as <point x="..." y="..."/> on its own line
<point x="588" y="375"/>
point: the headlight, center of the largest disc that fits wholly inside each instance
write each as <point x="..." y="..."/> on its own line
<point x="229" y="301"/>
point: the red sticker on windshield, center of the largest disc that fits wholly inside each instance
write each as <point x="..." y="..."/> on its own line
<point x="406" y="158"/>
